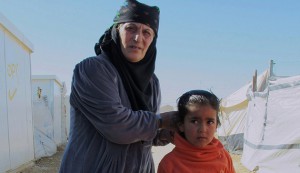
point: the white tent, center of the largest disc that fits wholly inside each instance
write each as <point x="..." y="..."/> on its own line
<point x="16" y="128"/>
<point x="233" y="110"/>
<point x="272" y="130"/>
<point x="262" y="120"/>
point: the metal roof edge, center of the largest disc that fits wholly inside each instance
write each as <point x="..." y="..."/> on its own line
<point x="47" y="77"/>
<point x="13" y="30"/>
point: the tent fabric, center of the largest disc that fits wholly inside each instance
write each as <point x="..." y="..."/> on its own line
<point x="235" y="126"/>
<point x="233" y="110"/>
<point x="271" y="137"/>
<point x="265" y="122"/>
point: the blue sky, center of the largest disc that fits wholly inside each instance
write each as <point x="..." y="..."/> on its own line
<point x="212" y="44"/>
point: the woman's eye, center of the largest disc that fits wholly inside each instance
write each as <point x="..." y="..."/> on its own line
<point x="130" y="28"/>
<point x="147" y="33"/>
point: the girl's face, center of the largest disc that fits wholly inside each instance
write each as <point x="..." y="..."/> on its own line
<point x="136" y="39"/>
<point x="199" y="125"/>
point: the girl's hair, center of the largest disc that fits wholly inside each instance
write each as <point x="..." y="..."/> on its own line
<point x="194" y="98"/>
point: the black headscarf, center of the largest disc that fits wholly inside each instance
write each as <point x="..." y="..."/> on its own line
<point x="136" y="76"/>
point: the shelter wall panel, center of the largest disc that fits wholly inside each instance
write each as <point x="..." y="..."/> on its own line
<point x="57" y="113"/>
<point x="39" y="89"/>
<point x="49" y="89"/>
<point x="67" y="104"/>
<point x="28" y="102"/>
<point x="44" y="94"/>
<point x="64" y="134"/>
<point x="43" y="118"/>
<point x="4" y="143"/>
<point x="19" y="139"/>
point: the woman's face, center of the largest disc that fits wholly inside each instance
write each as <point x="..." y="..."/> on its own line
<point x="136" y="39"/>
<point x="200" y="125"/>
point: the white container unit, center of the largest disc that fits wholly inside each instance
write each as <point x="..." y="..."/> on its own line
<point x="48" y="94"/>
<point x="16" y="126"/>
<point x="67" y="105"/>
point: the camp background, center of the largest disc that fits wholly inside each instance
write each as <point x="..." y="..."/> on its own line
<point x="215" y="45"/>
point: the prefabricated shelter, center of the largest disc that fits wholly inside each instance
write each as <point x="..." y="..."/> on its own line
<point x="48" y="96"/>
<point x="49" y="114"/>
<point x="67" y="108"/>
<point x="233" y="110"/>
<point x="16" y="128"/>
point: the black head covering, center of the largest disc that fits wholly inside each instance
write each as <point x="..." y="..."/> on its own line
<point x="136" y="76"/>
<point x="134" y="11"/>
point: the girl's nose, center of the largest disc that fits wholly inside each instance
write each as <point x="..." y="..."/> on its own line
<point x="201" y="127"/>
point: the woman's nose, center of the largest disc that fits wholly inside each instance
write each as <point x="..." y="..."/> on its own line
<point x="136" y="37"/>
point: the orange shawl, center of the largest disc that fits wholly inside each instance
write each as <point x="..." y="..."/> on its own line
<point x="186" y="158"/>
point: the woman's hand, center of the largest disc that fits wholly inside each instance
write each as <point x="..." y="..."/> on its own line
<point x="169" y="120"/>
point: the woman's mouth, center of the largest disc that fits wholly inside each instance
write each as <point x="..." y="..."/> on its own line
<point x="134" y="47"/>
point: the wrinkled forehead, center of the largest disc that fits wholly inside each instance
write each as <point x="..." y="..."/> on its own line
<point x="138" y="25"/>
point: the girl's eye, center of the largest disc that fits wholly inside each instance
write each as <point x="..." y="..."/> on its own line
<point x="210" y="122"/>
<point x="194" y="121"/>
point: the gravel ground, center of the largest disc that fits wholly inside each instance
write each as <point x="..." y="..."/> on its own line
<point x="52" y="164"/>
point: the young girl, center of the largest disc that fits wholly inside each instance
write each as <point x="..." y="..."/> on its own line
<point x="196" y="148"/>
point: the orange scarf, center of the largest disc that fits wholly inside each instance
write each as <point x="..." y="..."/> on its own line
<point x="186" y="158"/>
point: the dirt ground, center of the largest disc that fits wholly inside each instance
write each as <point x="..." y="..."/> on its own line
<point x="52" y="164"/>
<point x="239" y="168"/>
<point x="46" y="164"/>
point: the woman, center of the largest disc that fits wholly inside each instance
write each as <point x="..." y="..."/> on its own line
<point x="115" y="98"/>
